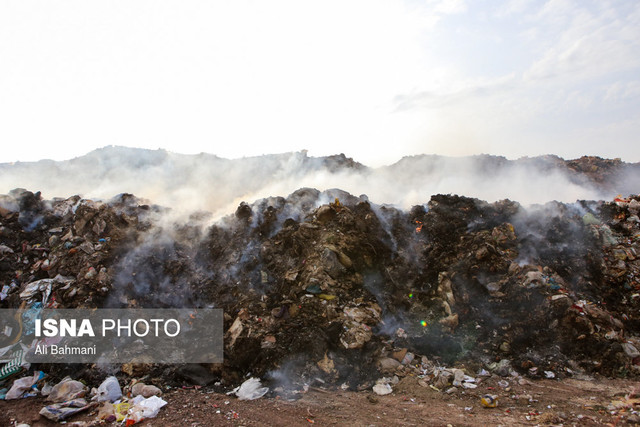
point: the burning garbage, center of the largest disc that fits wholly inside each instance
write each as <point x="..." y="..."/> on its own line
<point x="325" y="288"/>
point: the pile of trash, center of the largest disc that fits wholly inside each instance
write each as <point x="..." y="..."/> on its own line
<point x="330" y="292"/>
<point x="325" y="288"/>
<point x="56" y="253"/>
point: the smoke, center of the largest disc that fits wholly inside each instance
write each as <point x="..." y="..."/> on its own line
<point x="205" y="182"/>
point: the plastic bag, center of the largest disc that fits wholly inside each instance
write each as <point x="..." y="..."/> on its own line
<point x="108" y="391"/>
<point x="67" y="389"/>
<point x="251" y="389"/>
<point x="61" y="411"/>
<point x="23" y="385"/>
<point x="46" y="389"/>
<point x="144" y="390"/>
<point x="144" y="408"/>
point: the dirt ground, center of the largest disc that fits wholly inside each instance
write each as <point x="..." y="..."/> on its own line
<point x="568" y="402"/>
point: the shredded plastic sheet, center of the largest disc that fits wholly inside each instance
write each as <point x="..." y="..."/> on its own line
<point x="62" y="411"/>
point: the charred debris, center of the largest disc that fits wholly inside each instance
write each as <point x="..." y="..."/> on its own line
<point x="327" y="288"/>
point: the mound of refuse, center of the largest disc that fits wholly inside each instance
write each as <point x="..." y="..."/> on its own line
<point x="328" y="288"/>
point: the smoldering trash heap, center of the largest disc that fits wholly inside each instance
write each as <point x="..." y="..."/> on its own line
<point x="323" y="288"/>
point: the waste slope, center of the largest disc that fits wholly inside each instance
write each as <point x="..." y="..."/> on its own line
<point x="328" y="287"/>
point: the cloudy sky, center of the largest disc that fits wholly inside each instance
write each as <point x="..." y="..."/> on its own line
<point x="376" y="80"/>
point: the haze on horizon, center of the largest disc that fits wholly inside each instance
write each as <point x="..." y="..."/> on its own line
<point x="376" y="80"/>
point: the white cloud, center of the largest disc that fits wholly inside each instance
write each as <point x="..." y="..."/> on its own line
<point x="623" y="91"/>
<point x="584" y="43"/>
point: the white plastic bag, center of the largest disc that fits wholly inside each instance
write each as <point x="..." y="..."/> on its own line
<point x="23" y="385"/>
<point x="145" y="408"/>
<point x="251" y="389"/>
<point x="109" y="390"/>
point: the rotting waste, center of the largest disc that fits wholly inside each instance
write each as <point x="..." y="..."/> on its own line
<point x="332" y="290"/>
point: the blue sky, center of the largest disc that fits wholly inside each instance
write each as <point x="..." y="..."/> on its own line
<point x="374" y="79"/>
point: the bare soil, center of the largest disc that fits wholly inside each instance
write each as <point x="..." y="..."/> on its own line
<point x="568" y="402"/>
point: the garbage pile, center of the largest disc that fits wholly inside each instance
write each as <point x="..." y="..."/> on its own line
<point x="331" y="292"/>
<point x="332" y="289"/>
<point x="55" y="254"/>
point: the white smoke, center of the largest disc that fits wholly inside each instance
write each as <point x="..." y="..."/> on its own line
<point x="206" y="182"/>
